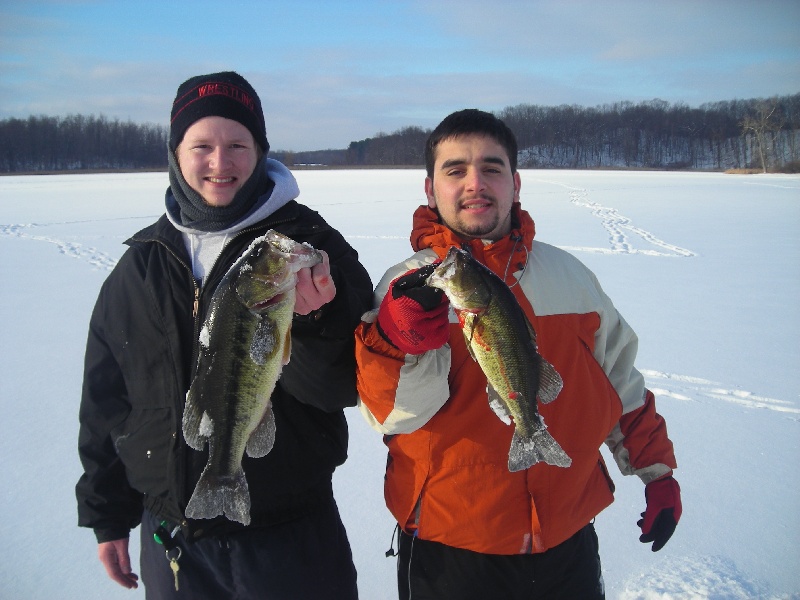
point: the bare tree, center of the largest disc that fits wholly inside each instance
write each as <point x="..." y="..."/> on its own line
<point x="763" y="122"/>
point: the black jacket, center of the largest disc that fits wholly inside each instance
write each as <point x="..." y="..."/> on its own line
<point x="141" y="352"/>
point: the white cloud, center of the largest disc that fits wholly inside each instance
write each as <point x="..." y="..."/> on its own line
<point x="328" y="76"/>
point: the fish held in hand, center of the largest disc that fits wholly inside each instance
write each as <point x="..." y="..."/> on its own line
<point x="502" y="340"/>
<point x="244" y="343"/>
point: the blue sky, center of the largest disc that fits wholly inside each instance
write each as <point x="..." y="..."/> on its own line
<point x="331" y="72"/>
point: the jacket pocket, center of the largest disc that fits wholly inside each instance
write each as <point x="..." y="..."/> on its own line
<point x="602" y="464"/>
<point x="143" y="443"/>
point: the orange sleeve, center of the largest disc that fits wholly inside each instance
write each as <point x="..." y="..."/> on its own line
<point x="378" y="366"/>
<point x="645" y="437"/>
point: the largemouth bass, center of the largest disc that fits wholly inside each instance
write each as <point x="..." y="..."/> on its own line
<point x="501" y="339"/>
<point x="244" y="343"/>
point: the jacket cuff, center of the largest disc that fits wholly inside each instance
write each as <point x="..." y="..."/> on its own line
<point x="110" y="535"/>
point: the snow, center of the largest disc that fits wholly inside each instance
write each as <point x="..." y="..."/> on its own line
<point x="705" y="267"/>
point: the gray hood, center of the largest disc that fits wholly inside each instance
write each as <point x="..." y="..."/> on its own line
<point x="204" y="247"/>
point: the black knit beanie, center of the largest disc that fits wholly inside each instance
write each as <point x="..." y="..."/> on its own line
<point x="225" y="94"/>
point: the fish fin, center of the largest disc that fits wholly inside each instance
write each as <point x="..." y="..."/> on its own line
<point x="539" y="447"/>
<point x="192" y="422"/>
<point x="206" y="426"/>
<point x="550" y="383"/>
<point x="287" y="347"/>
<point x="215" y="495"/>
<point x="497" y="405"/>
<point x="531" y="330"/>
<point x="263" y="437"/>
<point x="264" y="340"/>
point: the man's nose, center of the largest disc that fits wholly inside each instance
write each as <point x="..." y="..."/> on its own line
<point x="475" y="180"/>
<point x="219" y="158"/>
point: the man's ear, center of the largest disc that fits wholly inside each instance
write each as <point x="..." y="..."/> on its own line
<point x="429" y="192"/>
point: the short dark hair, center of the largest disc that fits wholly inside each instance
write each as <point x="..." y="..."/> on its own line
<point x="471" y="121"/>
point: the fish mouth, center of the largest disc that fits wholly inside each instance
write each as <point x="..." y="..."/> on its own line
<point x="269" y="302"/>
<point x="300" y="254"/>
<point x="466" y="294"/>
<point x="445" y="270"/>
<point x="441" y="275"/>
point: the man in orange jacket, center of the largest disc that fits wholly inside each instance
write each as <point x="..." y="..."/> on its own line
<point x="470" y="528"/>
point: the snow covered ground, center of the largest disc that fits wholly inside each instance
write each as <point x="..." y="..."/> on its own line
<point x="706" y="267"/>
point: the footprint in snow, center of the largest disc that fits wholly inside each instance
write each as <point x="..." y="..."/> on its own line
<point x="91" y="255"/>
<point x="684" y="387"/>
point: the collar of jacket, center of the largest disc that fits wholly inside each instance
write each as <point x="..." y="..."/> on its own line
<point x="429" y="232"/>
<point x="164" y="232"/>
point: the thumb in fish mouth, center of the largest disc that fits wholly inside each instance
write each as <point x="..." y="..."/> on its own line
<point x="415" y="285"/>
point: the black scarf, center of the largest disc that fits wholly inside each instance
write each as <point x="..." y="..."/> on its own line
<point x="198" y="214"/>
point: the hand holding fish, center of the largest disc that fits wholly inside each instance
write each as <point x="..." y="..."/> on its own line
<point x="413" y="316"/>
<point x="115" y="558"/>
<point x="315" y="287"/>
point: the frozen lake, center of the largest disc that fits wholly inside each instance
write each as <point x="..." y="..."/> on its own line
<point x="705" y="267"/>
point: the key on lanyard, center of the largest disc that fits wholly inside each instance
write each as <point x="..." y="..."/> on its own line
<point x="173" y="564"/>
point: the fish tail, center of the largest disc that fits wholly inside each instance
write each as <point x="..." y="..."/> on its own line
<point x="215" y="495"/>
<point x="539" y="447"/>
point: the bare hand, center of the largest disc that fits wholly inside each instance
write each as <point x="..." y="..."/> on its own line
<point x="115" y="558"/>
<point x="315" y="287"/>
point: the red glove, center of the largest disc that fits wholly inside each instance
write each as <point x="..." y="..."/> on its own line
<point x="413" y="315"/>
<point x="658" y="522"/>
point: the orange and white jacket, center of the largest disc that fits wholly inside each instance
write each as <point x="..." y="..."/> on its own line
<point x="447" y="475"/>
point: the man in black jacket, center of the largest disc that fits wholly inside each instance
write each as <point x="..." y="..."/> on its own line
<point x="142" y="348"/>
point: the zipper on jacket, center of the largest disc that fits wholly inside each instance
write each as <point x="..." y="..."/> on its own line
<point x="196" y="305"/>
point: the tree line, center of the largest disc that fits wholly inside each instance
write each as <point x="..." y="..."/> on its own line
<point x="77" y="142"/>
<point x="737" y="134"/>
<point x="757" y="133"/>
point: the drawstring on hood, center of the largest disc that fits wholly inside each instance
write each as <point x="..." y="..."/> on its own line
<point x="516" y="238"/>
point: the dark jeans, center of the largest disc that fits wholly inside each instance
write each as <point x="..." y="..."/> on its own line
<point x="433" y="571"/>
<point x="306" y="558"/>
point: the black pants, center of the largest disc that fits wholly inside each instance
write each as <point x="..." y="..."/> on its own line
<point x="305" y="558"/>
<point x="433" y="571"/>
